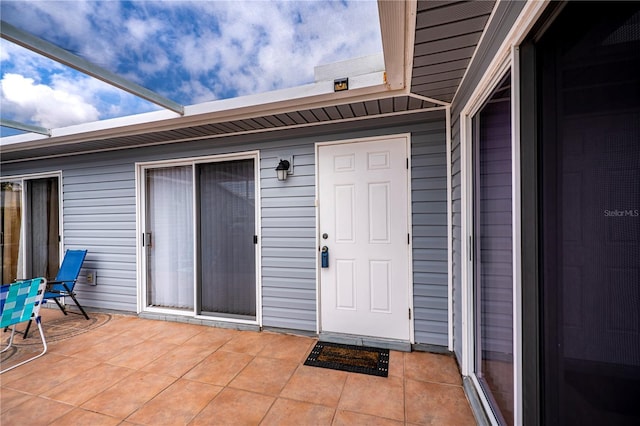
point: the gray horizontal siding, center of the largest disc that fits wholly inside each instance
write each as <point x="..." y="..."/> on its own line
<point x="429" y="217"/>
<point x="99" y="214"/>
<point x="288" y="240"/>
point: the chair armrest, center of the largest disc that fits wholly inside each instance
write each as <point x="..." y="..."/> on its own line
<point x="64" y="284"/>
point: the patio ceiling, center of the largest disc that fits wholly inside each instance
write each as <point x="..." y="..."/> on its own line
<point x="444" y="36"/>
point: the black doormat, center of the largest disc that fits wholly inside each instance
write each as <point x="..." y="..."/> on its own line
<point x="355" y="359"/>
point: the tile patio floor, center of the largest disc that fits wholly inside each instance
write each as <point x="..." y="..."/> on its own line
<point x="134" y="371"/>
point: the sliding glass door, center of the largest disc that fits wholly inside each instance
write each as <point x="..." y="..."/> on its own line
<point x="30" y="221"/>
<point x="493" y="252"/>
<point x="11" y="218"/>
<point x="200" y="237"/>
<point x="589" y="228"/>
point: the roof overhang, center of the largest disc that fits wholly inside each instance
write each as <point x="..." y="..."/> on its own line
<point x="412" y="82"/>
<point x="316" y="95"/>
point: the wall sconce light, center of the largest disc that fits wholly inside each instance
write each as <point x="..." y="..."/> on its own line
<point x="282" y="170"/>
<point x="340" y="84"/>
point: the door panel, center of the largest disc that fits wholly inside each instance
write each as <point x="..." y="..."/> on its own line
<point x="590" y="144"/>
<point x="42" y="221"/>
<point x="227" y="282"/>
<point x="493" y="253"/>
<point x="363" y="210"/>
<point x="169" y="246"/>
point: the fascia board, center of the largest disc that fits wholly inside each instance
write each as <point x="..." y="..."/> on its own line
<point x="393" y="27"/>
<point x="316" y="95"/>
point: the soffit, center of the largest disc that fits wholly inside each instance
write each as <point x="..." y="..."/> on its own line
<point x="446" y="36"/>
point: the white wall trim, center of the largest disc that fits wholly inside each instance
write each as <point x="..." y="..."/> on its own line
<point x="516" y="219"/>
<point x="449" y="228"/>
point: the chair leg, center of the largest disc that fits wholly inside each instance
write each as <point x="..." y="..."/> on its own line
<point x="44" y="344"/>
<point x="64" y="311"/>
<point x="78" y="305"/>
<point x="13" y="332"/>
<point x="26" y="331"/>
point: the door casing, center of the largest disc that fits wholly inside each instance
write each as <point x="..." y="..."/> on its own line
<point x="409" y="271"/>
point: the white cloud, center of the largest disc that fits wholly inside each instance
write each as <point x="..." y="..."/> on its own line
<point x="225" y="48"/>
<point x="43" y="105"/>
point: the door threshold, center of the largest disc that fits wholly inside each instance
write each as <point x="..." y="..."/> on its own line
<point x="189" y="319"/>
<point x="374" y="342"/>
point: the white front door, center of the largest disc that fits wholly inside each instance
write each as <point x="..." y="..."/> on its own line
<point x="363" y="196"/>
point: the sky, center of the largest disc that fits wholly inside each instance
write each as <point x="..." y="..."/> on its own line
<point x="188" y="51"/>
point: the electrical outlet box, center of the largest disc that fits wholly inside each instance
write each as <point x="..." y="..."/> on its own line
<point x="92" y="277"/>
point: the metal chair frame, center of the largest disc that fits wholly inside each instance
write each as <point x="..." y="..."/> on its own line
<point x="20" y="302"/>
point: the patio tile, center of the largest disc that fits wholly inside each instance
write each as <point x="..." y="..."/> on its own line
<point x="288" y="412"/>
<point x="219" y="368"/>
<point x="294" y="348"/>
<point x="219" y="376"/>
<point x="125" y="397"/>
<point x="248" y="342"/>
<point x="122" y="323"/>
<point x="175" y="333"/>
<point x="316" y="385"/>
<point x="80" y="417"/>
<point x="106" y="349"/>
<point x="377" y="396"/>
<point x="396" y="363"/>
<point x="430" y="367"/>
<point x="41" y="364"/>
<point x="53" y="372"/>
<point x="234" y="407"/>
<point x="265" y="375"/>
<point x="41" y="411"/>
<point x="88" y="384"/>
<point x="140" y="354"/>
<point x="78" y="343"/>
<point x="179" y="360"/>
<point x="213" y="337"/>
<point x="10" y="398"/>
<point x="437" y="404"/>
<point x="178" y="404"/>
<point x="348" y="418"/>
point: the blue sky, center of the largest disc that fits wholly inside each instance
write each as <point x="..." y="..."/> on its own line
<point x="188" y="51"/>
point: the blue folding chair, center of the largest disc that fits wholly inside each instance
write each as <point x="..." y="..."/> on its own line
<point x="64" y="283"/>
<point x="20" y="302"/>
